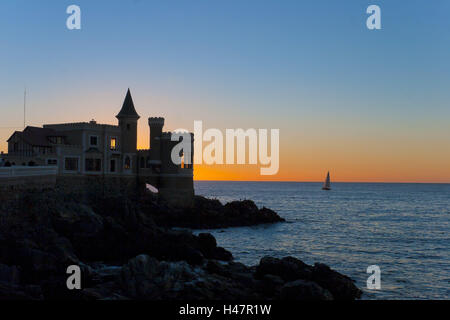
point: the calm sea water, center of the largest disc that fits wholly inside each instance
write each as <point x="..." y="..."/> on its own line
<point x="402" y="228"/>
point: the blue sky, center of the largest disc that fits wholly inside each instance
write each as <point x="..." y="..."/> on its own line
<point x="310" y="68"/>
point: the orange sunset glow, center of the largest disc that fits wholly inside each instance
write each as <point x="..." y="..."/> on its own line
<point x="355" y="159"/>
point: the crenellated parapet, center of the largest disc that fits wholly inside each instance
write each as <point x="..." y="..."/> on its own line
<point x="156" y="121"/>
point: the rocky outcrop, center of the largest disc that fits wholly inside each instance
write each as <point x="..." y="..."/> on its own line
<point x="290" y="278"/>
<point x="287" y="268"/>
<point x="42" y="233"/>
<point x="147" y="278"/>
<point x="304" y="290"/>
<point x="211" y="214"/>
<point x="341" y="286"/>
<point x="124" y="254"/>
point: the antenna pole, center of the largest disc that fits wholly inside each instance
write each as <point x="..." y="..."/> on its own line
<point x="24" y="107"/>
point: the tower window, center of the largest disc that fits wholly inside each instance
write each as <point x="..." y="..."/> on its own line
<point x="128" y="126"/>
<point x="113" y="143"/>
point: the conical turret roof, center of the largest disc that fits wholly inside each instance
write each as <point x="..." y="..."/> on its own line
<point x="128" y="110"/>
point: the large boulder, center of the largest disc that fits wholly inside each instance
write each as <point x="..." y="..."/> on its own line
<point x="247" y="213"/>
<point x="304" y="290"/>
<point x="172" y="245"/>
<point x="288" y="268"/>
<point x="144" y="277"/>
<point x="341" y="286"/>
<point x="208" y="247"/>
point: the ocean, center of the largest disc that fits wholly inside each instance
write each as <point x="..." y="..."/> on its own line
<point x="402" y="228"/>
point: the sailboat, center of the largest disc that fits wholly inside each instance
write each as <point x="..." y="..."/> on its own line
<point x="327" y="184"/>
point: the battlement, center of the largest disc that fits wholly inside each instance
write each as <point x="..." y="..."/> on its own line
<point x="156" y="121"/>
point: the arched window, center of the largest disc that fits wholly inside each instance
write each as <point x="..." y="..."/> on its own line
<point x="142" y="162"/>
<point x="127" y="163"/>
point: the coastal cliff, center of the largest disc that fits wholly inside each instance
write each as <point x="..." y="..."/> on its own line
<point x="125" y="253"/>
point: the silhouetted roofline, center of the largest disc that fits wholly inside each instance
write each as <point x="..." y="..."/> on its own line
<point x="128" y="110"/>
<point x="37" y="136"/>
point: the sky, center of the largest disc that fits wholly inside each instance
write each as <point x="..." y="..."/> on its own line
<point x="367" y="105"/>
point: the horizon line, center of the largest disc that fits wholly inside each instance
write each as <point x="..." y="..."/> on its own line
<point x="298" y="181"/>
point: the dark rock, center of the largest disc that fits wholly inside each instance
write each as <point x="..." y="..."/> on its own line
<point x="221" y="254"/>
<point x="42" y="233"/>
<point x="340" y="286"/>
<point x="208" y="246"/>
<point x="211" y="214"/>
<point x="13" y="292"/>
<point x="9" y="274"/>
<point x="193" y="256"/>
<point x="147" y="278"/>
<point x="304" y="290"/>
<point x="54" y="288"/>
<point x="235" y="270"/>
<point x="77" y="220"/>
<point x="181" y="245"/>
<point x="288" y="268"/>
<point x="103" y="273"/>
<point x="104" y="291"/>
<point x="207" y="242"/>
<point x="239" y="208"/>
<point x="270" y="285"/>
<point x="216" y="267"/>
<point x="35" y="263"/>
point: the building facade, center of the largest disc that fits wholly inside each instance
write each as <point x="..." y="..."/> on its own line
<point x="92" y="149"/>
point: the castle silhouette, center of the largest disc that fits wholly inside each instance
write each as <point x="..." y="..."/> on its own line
<point x="93" y="149"/>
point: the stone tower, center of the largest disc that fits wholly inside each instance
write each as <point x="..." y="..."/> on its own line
<point x="128" y="119"/>
<point x="156" y="126"/>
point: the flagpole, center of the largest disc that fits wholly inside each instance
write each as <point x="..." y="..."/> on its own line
<point x="24" y="107"/>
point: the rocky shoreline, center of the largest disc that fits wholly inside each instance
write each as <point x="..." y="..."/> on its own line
<point x="212" y="214"/>
<point x="126" y="251"/>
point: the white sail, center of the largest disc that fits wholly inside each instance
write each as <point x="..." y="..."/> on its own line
<point x="327" y="183"/>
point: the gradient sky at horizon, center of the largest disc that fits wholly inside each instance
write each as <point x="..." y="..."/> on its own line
<point x="366" y="105"/>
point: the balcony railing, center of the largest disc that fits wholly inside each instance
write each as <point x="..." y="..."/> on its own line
<point x="22" y="171"/>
